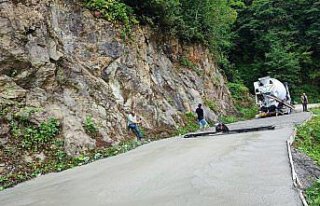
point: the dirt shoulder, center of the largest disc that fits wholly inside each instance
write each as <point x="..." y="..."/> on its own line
<point x="306" y="169"/>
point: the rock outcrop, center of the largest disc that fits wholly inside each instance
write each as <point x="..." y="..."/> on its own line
<point x="55" y="55"/>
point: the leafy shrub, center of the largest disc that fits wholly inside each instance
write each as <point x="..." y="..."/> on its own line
<point x="191" y="125"/>
<point x="313" y="194"/>
<point x="114" y="10"/>
<point x="184" y="61"/>
<point x="90" y="126"/>
<point x="238" y="90"/>
<point x="244" y="103"/>
<point x="36" y="137"/>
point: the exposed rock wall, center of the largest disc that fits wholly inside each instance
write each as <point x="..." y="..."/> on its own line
<point x="55" y="55"/>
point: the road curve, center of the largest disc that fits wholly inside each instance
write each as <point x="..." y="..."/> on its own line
<point x="236" y="170"/>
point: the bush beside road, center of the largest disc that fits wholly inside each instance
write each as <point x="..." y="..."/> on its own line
<point x="308" y="142"/>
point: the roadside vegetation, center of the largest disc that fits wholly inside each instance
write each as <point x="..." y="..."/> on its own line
<point x="33" y="148"/>
<point x="243" y="102"/>
<point x="190" y="125"/>
<point x="308" y="142"/>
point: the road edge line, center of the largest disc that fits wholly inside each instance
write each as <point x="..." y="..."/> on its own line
<point x="296" y="181"/>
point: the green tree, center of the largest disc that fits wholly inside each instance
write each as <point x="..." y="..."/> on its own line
<point x="277" y="38"/>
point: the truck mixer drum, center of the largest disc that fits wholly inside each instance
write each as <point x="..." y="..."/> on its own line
<point x="272" y="96"/>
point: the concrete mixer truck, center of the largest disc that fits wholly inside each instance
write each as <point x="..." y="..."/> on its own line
<point x="272" y="97"/>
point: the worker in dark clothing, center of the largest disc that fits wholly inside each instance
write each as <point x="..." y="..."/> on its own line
<point x="304" y="101"/>
<point x="201" y="121"/>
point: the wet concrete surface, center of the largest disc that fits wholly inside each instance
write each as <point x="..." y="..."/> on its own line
<point x="237" y="170"/>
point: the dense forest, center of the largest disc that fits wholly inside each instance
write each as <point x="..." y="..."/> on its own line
<point x="249" y="38"/>
<point x="278" y="38"/>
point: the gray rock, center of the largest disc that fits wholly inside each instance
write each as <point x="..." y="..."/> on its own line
<point x="38" y="54"/>
<point x="307" y="170"/>
<point x="4" y="129"/>
<point x="41" y="156"/>
<point x="54" y="54"/>
<point x="9" y="89"/>
<point x="112" y="49"/>
<point x="76" y="140"/>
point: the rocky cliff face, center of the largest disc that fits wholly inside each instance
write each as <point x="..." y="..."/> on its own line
<point x="55" y="55"/>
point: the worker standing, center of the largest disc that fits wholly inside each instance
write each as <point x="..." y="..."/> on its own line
<point x="304" y="101"/>
<point x="133" y="125"/>
<point x="201" y="121"/>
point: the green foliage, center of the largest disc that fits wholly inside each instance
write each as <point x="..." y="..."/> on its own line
<point x="184" y="61"/>
<point x="212" y="105"/>
<point x="277" y="38"/>
<point x="165" y="13"/>
<point x="15" y="129"/>
<point x="90" y="126"/>
<point x="308" y="137"/>
<point x="308" y="141"/>
<point x="313" y="194"/>
<point x="191" y="125"/>
<point x="35" y="141"/>
<point x="114" y="10"/>
<point x="244" y="103"/>
<point x="37" y="137"/>
<point x="238" y="91"/>
<point x="229" y="119"/>
<point x="207" y="22"/>
<point x="28" y="135"/>
<point x="312" y="92"/>
<point x="248" y="112"/>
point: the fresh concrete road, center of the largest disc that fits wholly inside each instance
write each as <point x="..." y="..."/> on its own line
<point x="237" y="170"/>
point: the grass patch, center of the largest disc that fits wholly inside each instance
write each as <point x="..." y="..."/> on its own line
<point x="308" y="142"/>
<point x="246" y="113"/>
<point x="308" y="137"/>
<point x="211" y="104"/>
<point x="313" y="194"/>
<point x="190" y="125"/>
<point x="229" y="119"/>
